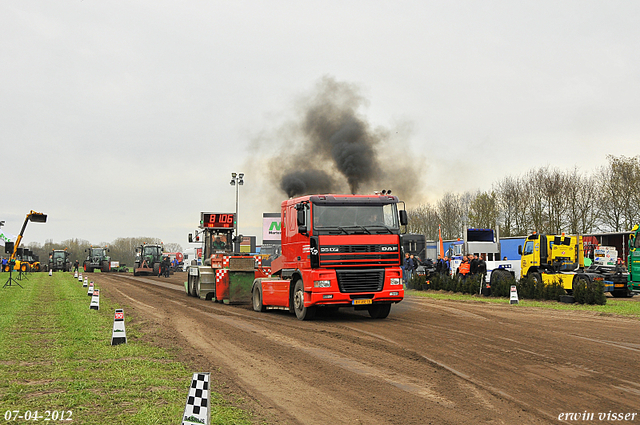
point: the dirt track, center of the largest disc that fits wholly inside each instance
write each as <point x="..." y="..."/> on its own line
<point x="439" y="362"/>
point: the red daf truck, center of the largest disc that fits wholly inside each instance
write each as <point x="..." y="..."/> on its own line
<point x="337" y="251"/>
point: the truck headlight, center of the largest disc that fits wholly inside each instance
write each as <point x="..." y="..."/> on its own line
<point x="322" y="283"/>
<point x="395" y="281"/>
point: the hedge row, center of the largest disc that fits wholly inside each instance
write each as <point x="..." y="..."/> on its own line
<point x="527" y="288"/>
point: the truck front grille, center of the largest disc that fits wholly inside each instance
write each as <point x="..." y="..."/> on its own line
<point x="359" y="255"/>
<point x="361" y="280"/>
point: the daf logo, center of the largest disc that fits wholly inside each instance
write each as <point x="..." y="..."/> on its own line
<point x="389" y="248"/>
<point x="329" y="249"/>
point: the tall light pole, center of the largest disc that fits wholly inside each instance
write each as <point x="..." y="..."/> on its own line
<point x="237" y="179"/>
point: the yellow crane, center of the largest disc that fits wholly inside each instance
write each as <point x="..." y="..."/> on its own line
<point x="36" y="217"/>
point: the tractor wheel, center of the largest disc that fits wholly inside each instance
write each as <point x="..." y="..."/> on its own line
<point x="188" y="286"/>
<point x="105" y="267"/>
<point x="257" y="298"/>
<point x="379" y="311"/>
<point x="156" y="269"/>
<point x="302" y="312"/>
<point x="135" y="269"/>
<point x="192" y="286"/>
<point x="23" y="267"/>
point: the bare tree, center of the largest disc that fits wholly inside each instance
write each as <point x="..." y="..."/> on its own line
<point x="450" y="211"/>
<point x="483" y="211"/>
<point x="618" y="200"/>
<point x="551" y="185"/>
<point x="582" y="198"/>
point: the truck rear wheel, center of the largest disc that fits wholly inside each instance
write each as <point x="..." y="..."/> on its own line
<point x="379" y="311"/>
<point x="256" y="298"/>
<point x="625" y="293"/>
<point x="302" y="312"/>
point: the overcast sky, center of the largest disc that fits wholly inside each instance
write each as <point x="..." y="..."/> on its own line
<point x="126" y="118"/>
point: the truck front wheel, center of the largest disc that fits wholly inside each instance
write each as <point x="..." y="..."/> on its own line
<point x="536" y="277"/>
<point x="302" y="312"/>
<point x="379" y="311"/>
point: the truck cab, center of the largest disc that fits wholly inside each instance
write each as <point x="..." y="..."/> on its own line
<point x="337" y="250"/>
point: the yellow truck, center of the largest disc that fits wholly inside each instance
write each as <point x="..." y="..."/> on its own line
<point x="560" y="258"/>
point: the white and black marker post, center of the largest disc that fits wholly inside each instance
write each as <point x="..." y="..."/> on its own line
<point x="95" y="300"/>
<point x="196" y="410"/>
<point x="80" y="278"/>
<point x="90" y="290"/>
<point x="514" y="295"/>
<point x="119" y="335"/>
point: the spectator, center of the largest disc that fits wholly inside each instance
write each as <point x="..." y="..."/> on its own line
<point x="482" y="265"/>
<point x="473" y="264"/>
<point x="439" y="264"/>
<point x="464" y="268"/>
<point x="408" y="268"/>
<point x="446" y="266"/>
<point x="76" y="265"/>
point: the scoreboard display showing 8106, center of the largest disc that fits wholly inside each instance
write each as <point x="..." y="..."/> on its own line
<point x="217" y="221"/>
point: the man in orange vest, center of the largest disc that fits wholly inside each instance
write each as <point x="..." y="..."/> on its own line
<point x="464" y="268"/>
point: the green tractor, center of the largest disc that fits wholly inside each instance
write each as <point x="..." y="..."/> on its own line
<point x="59" y="260"/>
<point x="633" y="261"/>
<point x="148" y="259"/>
<point x="97" y="258"/>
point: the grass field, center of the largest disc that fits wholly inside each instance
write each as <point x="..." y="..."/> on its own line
<point x="622" y="307"/>
<point x="56" y="355"/>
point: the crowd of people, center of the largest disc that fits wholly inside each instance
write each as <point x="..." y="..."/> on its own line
<point x="471" y="265"/>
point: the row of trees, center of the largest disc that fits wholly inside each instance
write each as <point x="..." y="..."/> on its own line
<point x="546" y="200"/>
<point x="121" y="249"/>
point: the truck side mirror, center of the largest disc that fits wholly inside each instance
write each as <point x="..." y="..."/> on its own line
<point x="403" y="218"/>
<point x="190" y="238"/>
<point x="302" y="229"/>
<point x="301" y="219"/>
<point x="519" y="249"/>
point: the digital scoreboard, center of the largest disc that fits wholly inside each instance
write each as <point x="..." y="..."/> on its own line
<point x="217" y="220"/>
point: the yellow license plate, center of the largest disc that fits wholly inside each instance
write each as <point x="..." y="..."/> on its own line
<point x="360" y="302"/>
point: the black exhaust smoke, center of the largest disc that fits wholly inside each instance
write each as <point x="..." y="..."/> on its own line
<point x="332" y="147"/>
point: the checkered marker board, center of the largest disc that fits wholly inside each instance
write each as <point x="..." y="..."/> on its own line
<point x="196" y="410"/>
<point x="95" y="300"/>
<point x="220" y="274"/>
<point x="119" y="335"/>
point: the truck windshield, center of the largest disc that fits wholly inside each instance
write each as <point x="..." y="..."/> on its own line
<point x="151" y="250"/>
<point x="356" y="218"/>
<point x="528" y="248"/>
